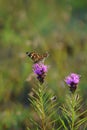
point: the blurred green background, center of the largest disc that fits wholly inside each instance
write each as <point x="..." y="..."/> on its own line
<point x="56" y="26"/>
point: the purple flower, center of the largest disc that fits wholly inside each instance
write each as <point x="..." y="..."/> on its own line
<point x="72" y="80"/>
<point x="40" y="70"/>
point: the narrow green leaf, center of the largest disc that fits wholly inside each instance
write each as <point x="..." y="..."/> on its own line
<point x="63" y="123"/>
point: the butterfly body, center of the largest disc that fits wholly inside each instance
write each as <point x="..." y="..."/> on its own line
<point x="37" y="57"/>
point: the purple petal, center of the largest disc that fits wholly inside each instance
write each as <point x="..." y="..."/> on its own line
<point x="40" y="68"/>
<point x="72" y="78"/>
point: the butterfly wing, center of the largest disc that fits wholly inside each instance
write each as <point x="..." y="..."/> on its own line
<point x="37" y="57"/>
<point x="44" y="56"/>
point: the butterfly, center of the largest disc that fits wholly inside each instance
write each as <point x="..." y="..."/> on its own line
<point x="36" y="57"/>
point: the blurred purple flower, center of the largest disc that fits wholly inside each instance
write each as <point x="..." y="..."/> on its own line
<point x="72" y="80"/>
<point x="40" y="70"/>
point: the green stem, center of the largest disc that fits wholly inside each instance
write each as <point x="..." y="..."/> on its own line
<point x="42" y="108"/>
<point x="72" y="127"/>
<point x="73" y="111"/>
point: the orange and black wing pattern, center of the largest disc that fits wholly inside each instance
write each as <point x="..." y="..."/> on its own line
<point x="37" y="57"/>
